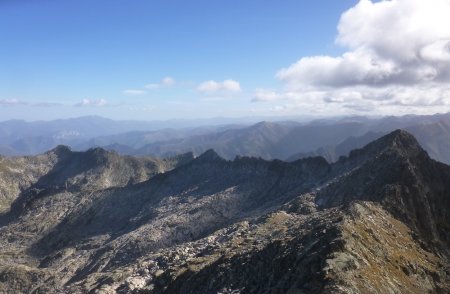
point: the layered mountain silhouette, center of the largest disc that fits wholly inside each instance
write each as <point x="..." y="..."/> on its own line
<point x="290" y="141"/>
<point x="18" y="137"/>
<point x="96" y="221"/>
<point x="284" y="140"/>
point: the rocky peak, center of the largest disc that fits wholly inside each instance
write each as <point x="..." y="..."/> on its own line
<point x="397" y="173"/>
<point x="395" y="159"/>
<point x="60" y="151"/>
<point x="397" y="144"/>
<point x="399" y="141"/>
<point x="248" y="225"/>
<point x="208" y="156"/>
<point x="101" y="152"/>
<point x="99" y="156"/>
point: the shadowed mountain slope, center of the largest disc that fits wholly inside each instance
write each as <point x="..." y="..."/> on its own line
<point x="373" y="221"/>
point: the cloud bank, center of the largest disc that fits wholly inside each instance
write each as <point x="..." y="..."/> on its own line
<point x="397" y="54"/>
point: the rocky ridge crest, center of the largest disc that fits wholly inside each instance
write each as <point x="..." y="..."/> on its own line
<point x="373" y="221"/>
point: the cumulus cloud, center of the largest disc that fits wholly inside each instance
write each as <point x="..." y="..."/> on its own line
<point x="398" y="53"/>
<point x="397" y="42"/>
<point x="92" y="103"/>
<point x="224" y="86"/>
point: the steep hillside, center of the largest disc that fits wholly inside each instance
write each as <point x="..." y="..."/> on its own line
<point x="63" y="169"/>
<point x="375" y="221"/>
<point x="19" y="174"/>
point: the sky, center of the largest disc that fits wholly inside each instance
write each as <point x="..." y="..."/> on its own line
<point x="158" y="60"/>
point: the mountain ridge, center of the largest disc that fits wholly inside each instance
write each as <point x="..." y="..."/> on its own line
<point x="285" y="140"/>
<point x="243" y="225"/>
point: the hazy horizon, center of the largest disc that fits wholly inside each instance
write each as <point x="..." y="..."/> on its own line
<point x="243" y="119"/>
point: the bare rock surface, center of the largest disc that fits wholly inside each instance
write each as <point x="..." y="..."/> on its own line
<point x="97" y="222"/>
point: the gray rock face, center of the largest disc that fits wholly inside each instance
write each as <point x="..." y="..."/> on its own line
<point x="19" y="174"/>
<point x="103" y="223"/>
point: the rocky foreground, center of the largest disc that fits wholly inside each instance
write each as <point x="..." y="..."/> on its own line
<point x="96" y="222"/>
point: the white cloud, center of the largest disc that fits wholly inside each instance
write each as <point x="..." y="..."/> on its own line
<point x="209" y="86"/>
<point x="392" y="100"/>
<point x="263" y="95"/>
<point x="352" y="68"/>
<point x="395" y="29"/>
<point x="134" y="92"/>
<point x="12" y="102"/>
<point x="165" y="82"/>
<point x="91" y="102"/>
<point x="398" y="54"/>
<point x="231" y="85"/>
<point x="168" y="82"/>
<point x="224" y="86"/>
<point x="437" y="52"/>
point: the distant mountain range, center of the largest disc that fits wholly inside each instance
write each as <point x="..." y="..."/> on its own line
<point x="30" y="138"/>
<point x="285" y="140"/>
<point x="100" y="222"/>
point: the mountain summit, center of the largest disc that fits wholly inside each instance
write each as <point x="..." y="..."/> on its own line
<point x="396" y="172"/>
<point x="96" y="221"/>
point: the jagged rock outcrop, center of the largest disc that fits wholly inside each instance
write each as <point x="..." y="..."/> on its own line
<point x="375" y="221"/>
<point x="396" y="172"/>
<point x="65" y="170"/>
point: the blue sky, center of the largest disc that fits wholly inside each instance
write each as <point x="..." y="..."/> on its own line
<point x="161" y="59"/>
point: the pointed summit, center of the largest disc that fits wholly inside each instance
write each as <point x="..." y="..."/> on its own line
<point x="386" y="161"/>
<point x="397" y="173"/>
<point x="208" y="156"/>
<point x="99" y="151"/>
<point x="399" y="141"/>
<point x="61" y="150"/>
